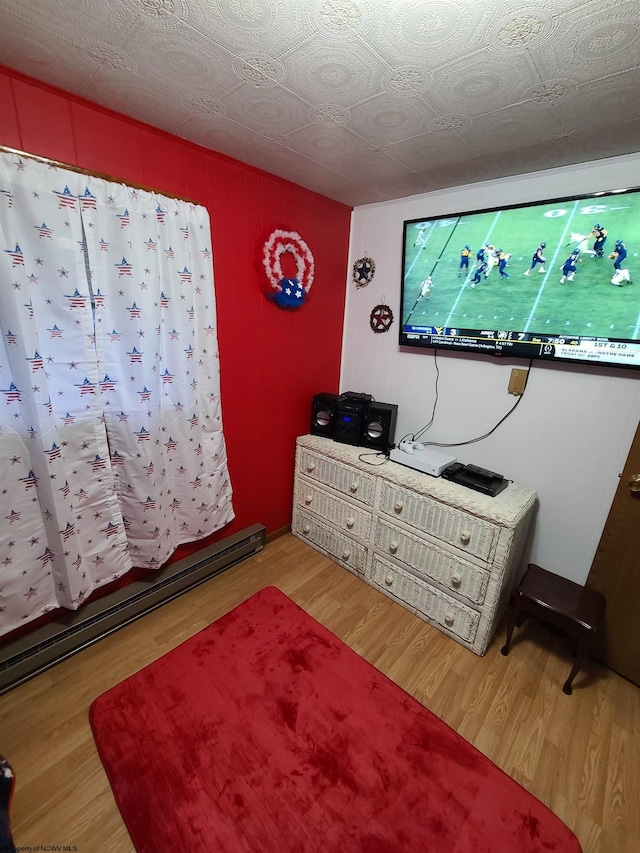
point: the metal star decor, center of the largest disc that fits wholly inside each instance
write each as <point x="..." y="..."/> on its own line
<point x="364" y="270"/>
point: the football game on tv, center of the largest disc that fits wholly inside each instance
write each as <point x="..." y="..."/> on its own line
<point x="550" y="280"/>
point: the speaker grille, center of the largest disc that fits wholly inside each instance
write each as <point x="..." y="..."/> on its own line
<point x="323" y="414"/>
<point x="379" y="426"/>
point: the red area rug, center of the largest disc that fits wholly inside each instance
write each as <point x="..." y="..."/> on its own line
<point x="266" y="733"/>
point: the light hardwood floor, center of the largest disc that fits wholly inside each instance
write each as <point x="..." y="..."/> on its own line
<point x="579" y="754"/>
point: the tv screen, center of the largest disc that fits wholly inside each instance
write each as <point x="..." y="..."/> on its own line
<point x="549" y="280"/>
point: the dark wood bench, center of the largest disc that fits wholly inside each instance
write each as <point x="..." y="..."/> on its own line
<point x="573" y="609"/>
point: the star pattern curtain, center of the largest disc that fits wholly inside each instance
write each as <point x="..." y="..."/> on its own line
<point x="111" y="444"/>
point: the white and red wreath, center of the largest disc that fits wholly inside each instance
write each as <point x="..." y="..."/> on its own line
<point x="288" y="292"/>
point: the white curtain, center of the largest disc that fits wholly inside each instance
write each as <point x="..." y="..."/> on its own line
<point x="111" y="445"/>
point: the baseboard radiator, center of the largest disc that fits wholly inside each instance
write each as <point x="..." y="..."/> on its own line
<point x="73" y="631"/>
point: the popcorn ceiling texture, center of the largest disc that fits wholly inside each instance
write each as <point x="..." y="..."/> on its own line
<point x="360" y="100"/>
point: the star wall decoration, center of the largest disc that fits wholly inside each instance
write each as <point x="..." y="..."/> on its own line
<point x="364" y="270"/>
<point x="381" y="318"/>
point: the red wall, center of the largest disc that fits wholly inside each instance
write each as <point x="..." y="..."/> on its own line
<point x="272" y="361"/>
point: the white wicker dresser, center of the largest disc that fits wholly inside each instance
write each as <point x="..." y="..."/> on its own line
<point x="447" y="553"/>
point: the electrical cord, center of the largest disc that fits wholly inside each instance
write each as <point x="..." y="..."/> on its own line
<point x="435" y="401"/>
<point x="362" y="457"/>
<point x="492" y="430"/>
<point x="416" y="436"/>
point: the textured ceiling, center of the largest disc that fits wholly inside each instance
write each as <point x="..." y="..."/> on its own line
<point x="360" y="100"/>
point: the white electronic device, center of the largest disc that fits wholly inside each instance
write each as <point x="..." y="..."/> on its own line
<point x="425" y="459"/>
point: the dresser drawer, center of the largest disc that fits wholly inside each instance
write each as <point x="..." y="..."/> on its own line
<point x="458" y="528"/>
<point x="431" y="562"/>
<point x="346" y="551"/>
<point x="436" y="606"/>
<point x="347" y="516"/>
<point x="343" y="478"/>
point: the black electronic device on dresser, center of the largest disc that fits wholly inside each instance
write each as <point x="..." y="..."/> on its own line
<point x="473" y="477"/>
<point x="350" y="414"/>
<point x="354" y="418"/>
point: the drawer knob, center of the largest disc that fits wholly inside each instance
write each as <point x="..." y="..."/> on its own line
<point x="311" y="466"/>
<point x="456" y="580"/>
<point x="465" y="537"/>
<point x="393" y="546"/>
<point x="306" y="528"/>
<point x="448" y="619"/>
<point x="308" y="499"/>
<point x="389" y="580"/>
<point x="399" y="506"/>
<point x="346" y="555"/>
<point x="350" y="522"/>
<point x="355" y="486"/>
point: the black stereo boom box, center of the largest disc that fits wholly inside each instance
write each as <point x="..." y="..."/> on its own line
<point x="353" y="418"/>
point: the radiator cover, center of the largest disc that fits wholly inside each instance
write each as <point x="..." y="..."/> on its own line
<point x="73" y="631"/>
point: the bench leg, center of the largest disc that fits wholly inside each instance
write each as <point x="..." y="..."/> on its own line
<point x="514" y="617"/>
<point x="577" y="666"/>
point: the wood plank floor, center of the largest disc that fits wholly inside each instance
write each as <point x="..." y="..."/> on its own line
<point x="579" y="754"/>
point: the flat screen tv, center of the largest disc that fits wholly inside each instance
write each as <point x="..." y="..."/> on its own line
<point x="528" y="281"/>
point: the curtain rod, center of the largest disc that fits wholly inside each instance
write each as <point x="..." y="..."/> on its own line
<point x="102" y="175"/>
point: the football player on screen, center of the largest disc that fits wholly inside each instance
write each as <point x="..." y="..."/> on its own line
<point x="481" y="271"/>
<point x="569" y="267"/>
<point x="425" y="289"/>
<point x="503" y="260"/>
<point x="600" y="235"/>
<point x="491" y="258"/>
<point x="465" y="254"/>
<point x="537" y="259"/>
<point x="581" y="241"/>
<point x="420" y="239"/>
<point x="617" y="256"/>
